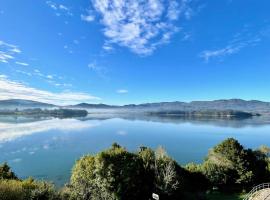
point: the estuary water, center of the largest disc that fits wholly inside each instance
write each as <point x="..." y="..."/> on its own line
<point x="47" y="148"/>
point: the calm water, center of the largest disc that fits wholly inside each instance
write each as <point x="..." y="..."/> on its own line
<point x="48" y="148"/>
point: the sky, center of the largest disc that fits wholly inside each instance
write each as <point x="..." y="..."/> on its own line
<point x="134" y="51"/>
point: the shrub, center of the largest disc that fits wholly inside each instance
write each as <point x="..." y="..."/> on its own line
<point x="11" y="190"/>
<point x="27" y="190"/>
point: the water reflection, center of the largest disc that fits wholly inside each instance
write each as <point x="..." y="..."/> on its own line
<point x="13" y="128"/>
<point x="219" y="122"/>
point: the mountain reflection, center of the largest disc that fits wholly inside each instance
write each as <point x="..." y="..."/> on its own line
<point x="14" y="127"/>
<point x="174" y="119"/>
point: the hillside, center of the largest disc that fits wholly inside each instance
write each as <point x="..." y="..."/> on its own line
<point x="23" y="104"/>
<point x="230" y="104"/>
<point x="253" y="106"/>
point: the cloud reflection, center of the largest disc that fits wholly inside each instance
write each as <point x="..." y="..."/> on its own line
<point x="11" y="131"/>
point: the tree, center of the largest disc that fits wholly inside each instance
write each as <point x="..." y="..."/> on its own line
<point x="163" y="172"/>
<point x="6" y="173"/>
<point x="229" y="164"/>
<point x="111" y="174"/>
<point x="166" y="177"/>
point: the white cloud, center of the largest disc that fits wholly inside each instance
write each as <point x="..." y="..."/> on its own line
<point x="52" y="5"/>
<point x="8" y="51"/>
<point x="141" y="26"/>
<point x="51" y="79"/>
<point x="88" y="18"/>
<point x="59" y="8"/>
<point x="107" y="47"/>
<point x="21" y="63"/>
<point x="240" y="40"/>
<point x="228" y="50"/>
<point x="2" y="76"/>
<point x="122" y="91"/>
<point x="50" y="76"/>
<point x="15" y="90"/>
<point x="62" y="7"/>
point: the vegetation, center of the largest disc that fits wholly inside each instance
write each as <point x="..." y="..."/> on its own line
<point x="231" y="114"/>
<point x="6" y="173"/>
<point x="60" y="113"/>
<point x="117" y="174"/>
<point x="28" y="189"/>
<point x="228" y="165"/>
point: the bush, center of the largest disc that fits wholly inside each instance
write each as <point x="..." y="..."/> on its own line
<point x="41" y="191"/>
<point x="27" y="190"/>
<point x="11" y="190"/>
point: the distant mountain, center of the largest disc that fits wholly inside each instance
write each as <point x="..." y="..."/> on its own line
<point x="23" y="104"/>
<point x="225" y="104"/>
<point x="253" y="106"/>
<point x="94" y="106"/>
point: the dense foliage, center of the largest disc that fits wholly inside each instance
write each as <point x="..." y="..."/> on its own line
<point x="120" y="174"/>
<point x="6" y="173"/>
<point x="229" y="165"/>
<point x="38" y="112"/>
<point x="117" y="174"/>
<point x="27" y="190"/>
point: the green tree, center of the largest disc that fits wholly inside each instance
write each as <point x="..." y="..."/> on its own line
<point x="6" y="173"/>
<point x="111" y="174"/>
<point x="229" y="164"/>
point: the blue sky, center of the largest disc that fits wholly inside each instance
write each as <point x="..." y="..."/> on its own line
<point x="133" y="51"/>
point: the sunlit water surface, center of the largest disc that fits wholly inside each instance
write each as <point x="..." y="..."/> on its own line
<point x="47" y="148"/>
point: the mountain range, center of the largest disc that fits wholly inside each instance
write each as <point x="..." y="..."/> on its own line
<point x="224" y="104"/>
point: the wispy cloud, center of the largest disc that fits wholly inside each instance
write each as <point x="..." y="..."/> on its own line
<point x="98" y="69"/>
<point x="239" y="41"/>
<point x="141" y="26"/>
<point x="8" y="51"/>
<point x="12" y="89"/>
<point x="23" y="72"/>
<point x="21" y="63"/>
<point x="122" y="91"/>
<point x="59" y="8"/>
<point x="54" y="79"/>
